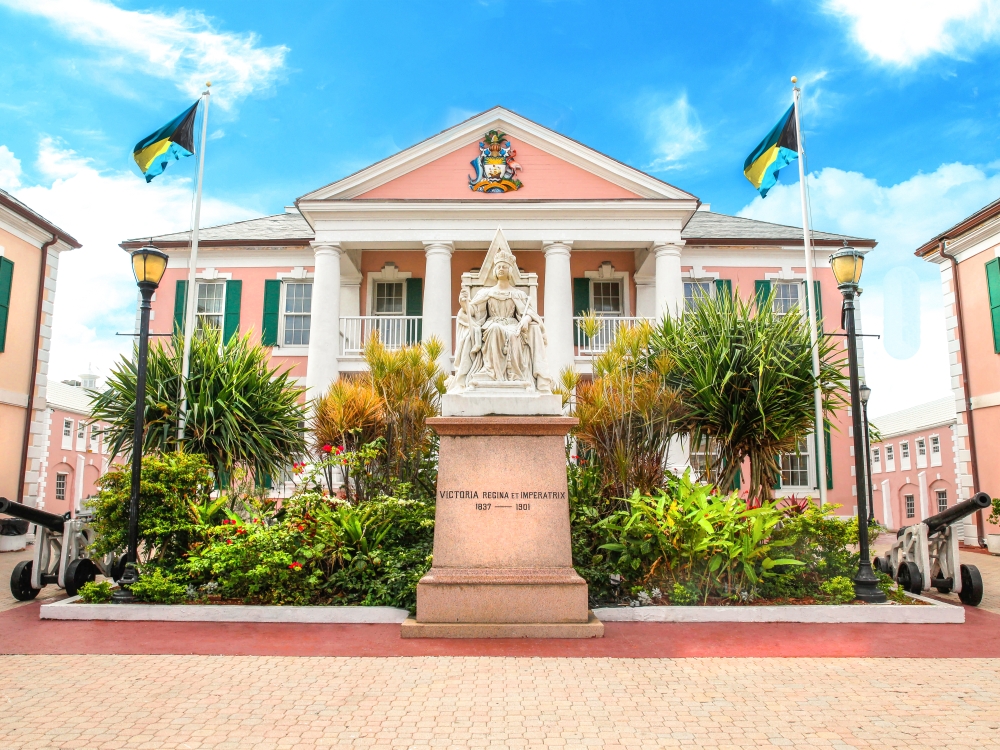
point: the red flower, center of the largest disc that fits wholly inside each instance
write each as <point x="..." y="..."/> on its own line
<point x="340" y="449"/>
<point x="302" y="527"/>
<point x="229" y="541"/>
<point x="327" y="448"/>
<point x="241" y="531"/>
<point x="295" y="566"/>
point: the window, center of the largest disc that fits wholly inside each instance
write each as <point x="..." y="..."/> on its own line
<point x="389" y="298"/>
<point x="61" y="486"/>
<point x="786" y="297"/>
<point x="81" y="428"/>
<point x="298" y="313"/>
<point x="695" y="292"/>
<point x="876" y="461"/>
<point x="67" y="428"/>
<point x="890" y="459"/>
<point x="698" y="459"/>
<point x="910" y="507"/>
<point x="607" y="297"/>
<point x="935" y="444"/>
<point x="921" y="447"/>
<point x="904" y="449"/>
<point x="94" y="447"/>
<point x="942" y="498"/>
<point x="795" y="467"/>
<point x="211" y="301"/>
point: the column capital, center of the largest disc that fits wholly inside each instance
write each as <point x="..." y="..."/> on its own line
<point x="439" y="248"/>
<point x="326" y="248"/>
<point x="557" y="247"/>
<point x="667" y="248"/>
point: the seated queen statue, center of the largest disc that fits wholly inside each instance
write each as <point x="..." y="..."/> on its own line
<point x="501" y="339"/>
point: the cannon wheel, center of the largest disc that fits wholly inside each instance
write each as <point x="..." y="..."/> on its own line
<point x="20" y="582"/>
<point x="908" y="577"/>
<point x="972" y="586"/>
<point x="877" y="564"/>
<point x="80" y="571"/>
<point x="118" y="568"/>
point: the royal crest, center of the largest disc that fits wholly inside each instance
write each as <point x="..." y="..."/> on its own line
<point x="496" y="170"/>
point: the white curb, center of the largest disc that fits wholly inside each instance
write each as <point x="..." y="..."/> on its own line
<point x="71" y="609"/>
<point x="891" y="613"/>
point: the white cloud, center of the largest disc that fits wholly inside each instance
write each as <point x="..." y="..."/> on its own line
<point x="901" y="217"/>
<point x="10" y="170"/>
<point x="675" y="131"/>
<point x="902" y="32"/>
<point x="96" y="293"/>
<point x="183" y="47"/>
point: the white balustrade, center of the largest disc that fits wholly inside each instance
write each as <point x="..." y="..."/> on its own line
<point x="607" y="329"/>
<point x="395" y="331"/>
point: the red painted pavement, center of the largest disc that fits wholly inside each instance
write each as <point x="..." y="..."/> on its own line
<point x="21" y="632"/>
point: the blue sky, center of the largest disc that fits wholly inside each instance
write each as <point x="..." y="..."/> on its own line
<point x="902" y="120"/>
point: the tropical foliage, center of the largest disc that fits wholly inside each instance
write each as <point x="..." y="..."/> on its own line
<point x="241" y="411"/>
<point x="744" y="375"/>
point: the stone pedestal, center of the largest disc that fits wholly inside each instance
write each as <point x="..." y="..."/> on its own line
<point x="503" y="564"/>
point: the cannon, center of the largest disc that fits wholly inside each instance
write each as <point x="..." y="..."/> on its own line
<point x="61" y="553"/>
<point x="925" y="555"/>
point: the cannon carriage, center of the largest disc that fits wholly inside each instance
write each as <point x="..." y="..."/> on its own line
<point x="62" y="554"/>
<point x="925" y="555"/>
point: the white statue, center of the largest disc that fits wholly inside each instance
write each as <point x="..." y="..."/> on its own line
<point x="501" y="339"/>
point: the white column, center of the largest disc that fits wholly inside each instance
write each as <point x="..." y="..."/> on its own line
<point x="78" y="483"/>
<point x="558" y="306"/>
<point x="669" y="285"/>
<point x="438" y="298"/>
<point x="324" y="335"/>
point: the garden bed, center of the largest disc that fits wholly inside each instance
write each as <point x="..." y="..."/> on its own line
<point x="934" y="612"/>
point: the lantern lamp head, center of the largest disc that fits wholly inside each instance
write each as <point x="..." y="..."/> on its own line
<point x="148" y="265"/>
<point x="865" y="392"/>
<point x="847" y="264"/>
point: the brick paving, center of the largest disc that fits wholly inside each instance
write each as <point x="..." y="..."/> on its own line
<point x="188" y="702"/>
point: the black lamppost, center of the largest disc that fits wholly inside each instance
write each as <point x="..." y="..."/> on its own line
<point x="866" y="393"/>
<point x="148" y="265"/>
<point x="846" y="264"/>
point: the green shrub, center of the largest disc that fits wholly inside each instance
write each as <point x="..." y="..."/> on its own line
<point x="692" y="535"/>
<point x="94" y="592"/>
<point x="892" y="592"/>
<point x="995" y="514"/>
<point x="840" y="589"/>
<point x="683" y="595"/>
<point x="170" y="484"/>
<point x="593" y="564"/>
<point x="157" y="588"/>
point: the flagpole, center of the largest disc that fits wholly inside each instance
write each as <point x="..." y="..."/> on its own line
<point x="811" y="302"/>
<point x="192" y="290"/>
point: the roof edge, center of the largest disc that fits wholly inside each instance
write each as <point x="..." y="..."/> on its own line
<point x="981" y="216"/>
<point x="9" y="201"/>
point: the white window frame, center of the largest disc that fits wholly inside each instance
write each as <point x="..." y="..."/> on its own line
<point x="937" y="497"/>
<point x="800" y="292"/>
<point x="890" y="457"/>
<point x="94" y="445"/>
<point x="81" y="435"/>
<point x="282" y="313"/>
<point x="876" y="460"/>
<point x="910" y="506"/>
<point x="904" y="455"/>
<point x="607" y="272"/>
<point x="390" y="273"/>
<point x="65" y="485"/>
<point x="222" y="312"/>
<point x="67" y="437"/>
<point x="935" y="450"/>
<point x="808" y="457"/>
<point x="689" y="301"/>
<point x="921" y="446"/>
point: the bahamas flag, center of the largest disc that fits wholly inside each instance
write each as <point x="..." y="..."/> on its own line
<point x="172" y="142"/>
<point x="779" y="149"/>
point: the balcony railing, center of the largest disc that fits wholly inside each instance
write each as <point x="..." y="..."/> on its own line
<point x="607" y="329"/>
<point x="395" y="331"/>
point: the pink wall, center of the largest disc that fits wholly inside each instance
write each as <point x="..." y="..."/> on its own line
<point x="905" y="481"/>
<point x="66" y="461"/>
<point x="543" y="176"/>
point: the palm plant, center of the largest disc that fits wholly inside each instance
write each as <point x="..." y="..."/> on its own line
<point x="744" y="374"/>
<point x="627" y="412"/>
<point x="241" y="412"/>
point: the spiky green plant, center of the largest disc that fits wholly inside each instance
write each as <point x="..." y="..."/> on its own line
<point x="241" y="411"/>
<point x="744" y="375"/>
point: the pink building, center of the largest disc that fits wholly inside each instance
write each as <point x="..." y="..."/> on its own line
<point x="914" y="474"/>
<point x="968" y="255"/>
<point x="74" y="454"/>
<point x="388" y="248"/>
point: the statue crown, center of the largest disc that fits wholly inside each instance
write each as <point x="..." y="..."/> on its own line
<point x="505" y="256"/>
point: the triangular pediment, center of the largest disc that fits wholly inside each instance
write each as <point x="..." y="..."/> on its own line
<point x="550" y="166"/>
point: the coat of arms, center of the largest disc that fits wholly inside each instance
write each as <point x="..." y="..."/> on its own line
<point x="496" y="170"/>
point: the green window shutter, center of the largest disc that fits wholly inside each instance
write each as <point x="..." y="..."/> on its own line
<point x="231" y="320"/>
<point x="993" y="285"/>
<point x="6" y="284"/>
<point x="581" y="306"/>
<point x="777" y="484"/>
<point x="829" y="455"/>
<point x="180" y="304"/>
<point x="414" y="308"/>
<point x="723" y="288"/>
<point x="762" y="291"/>
<point x="817" y="290"/>
<point x="272" y="299"/>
